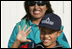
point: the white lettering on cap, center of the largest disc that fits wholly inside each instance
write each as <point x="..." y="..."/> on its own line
<point x="47" y="21"/>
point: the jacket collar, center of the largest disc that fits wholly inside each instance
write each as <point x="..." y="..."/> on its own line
<point x="57" y="45"/>
<point x="40" y="45"/>
<point x="31" y="24"/>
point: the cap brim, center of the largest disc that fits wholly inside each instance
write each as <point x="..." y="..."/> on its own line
<point x="49" y="26"/>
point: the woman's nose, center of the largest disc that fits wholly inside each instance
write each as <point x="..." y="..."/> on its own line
<point x="36" y="6"/>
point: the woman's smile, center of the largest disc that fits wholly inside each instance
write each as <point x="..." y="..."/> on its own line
<point x="37" y="12"/>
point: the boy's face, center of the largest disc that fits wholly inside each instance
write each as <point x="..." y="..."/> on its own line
<point x="48" y="37"/>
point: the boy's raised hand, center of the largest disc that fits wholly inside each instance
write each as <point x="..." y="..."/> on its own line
<point x="22" y="35"/>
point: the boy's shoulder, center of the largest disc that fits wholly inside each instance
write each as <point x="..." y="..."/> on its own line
<point x="57" y="45"/>
<point x="40" y="45"/>
<point x="32" y="45"/>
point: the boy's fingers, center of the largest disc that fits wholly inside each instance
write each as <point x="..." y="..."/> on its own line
<point x="19" y="28"/>
<point x="28" y="40"/>
<point x="24" y="27"/>
<point x="28" y="29"/>
<point x="28" y="32"/>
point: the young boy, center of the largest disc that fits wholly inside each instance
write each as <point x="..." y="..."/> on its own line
<point x="49" y="26"/>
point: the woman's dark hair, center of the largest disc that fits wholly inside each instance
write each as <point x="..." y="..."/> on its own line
<point x="28" y="16"/>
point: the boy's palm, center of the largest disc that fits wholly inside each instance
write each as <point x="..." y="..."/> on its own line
<point x="22" y="35"/>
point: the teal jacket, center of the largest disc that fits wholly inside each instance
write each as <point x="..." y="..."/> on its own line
<point x="34" y="35"/>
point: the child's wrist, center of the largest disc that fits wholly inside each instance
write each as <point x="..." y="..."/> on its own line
<point x="18" y="41"/>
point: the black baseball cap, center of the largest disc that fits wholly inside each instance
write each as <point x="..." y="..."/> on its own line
<point x="51" y="21"/>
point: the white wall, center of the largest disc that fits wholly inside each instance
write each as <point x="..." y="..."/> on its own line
<point x="13" y="11"/>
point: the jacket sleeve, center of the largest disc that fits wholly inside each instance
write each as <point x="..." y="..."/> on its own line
<point x="63" y="40"/>
<point x="12" y="37"/>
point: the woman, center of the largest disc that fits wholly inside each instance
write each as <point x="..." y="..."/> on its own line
<point x="35" y="11"/>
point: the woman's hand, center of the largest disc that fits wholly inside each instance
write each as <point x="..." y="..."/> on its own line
<point x="22" y="35"/>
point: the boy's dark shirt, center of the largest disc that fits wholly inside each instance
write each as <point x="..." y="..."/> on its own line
<point x="40" y="45"/>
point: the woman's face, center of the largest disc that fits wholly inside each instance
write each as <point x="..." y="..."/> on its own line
<point x="37" y="11"/>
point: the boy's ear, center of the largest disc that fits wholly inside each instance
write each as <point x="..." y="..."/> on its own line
<point x="59" y="32"/>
